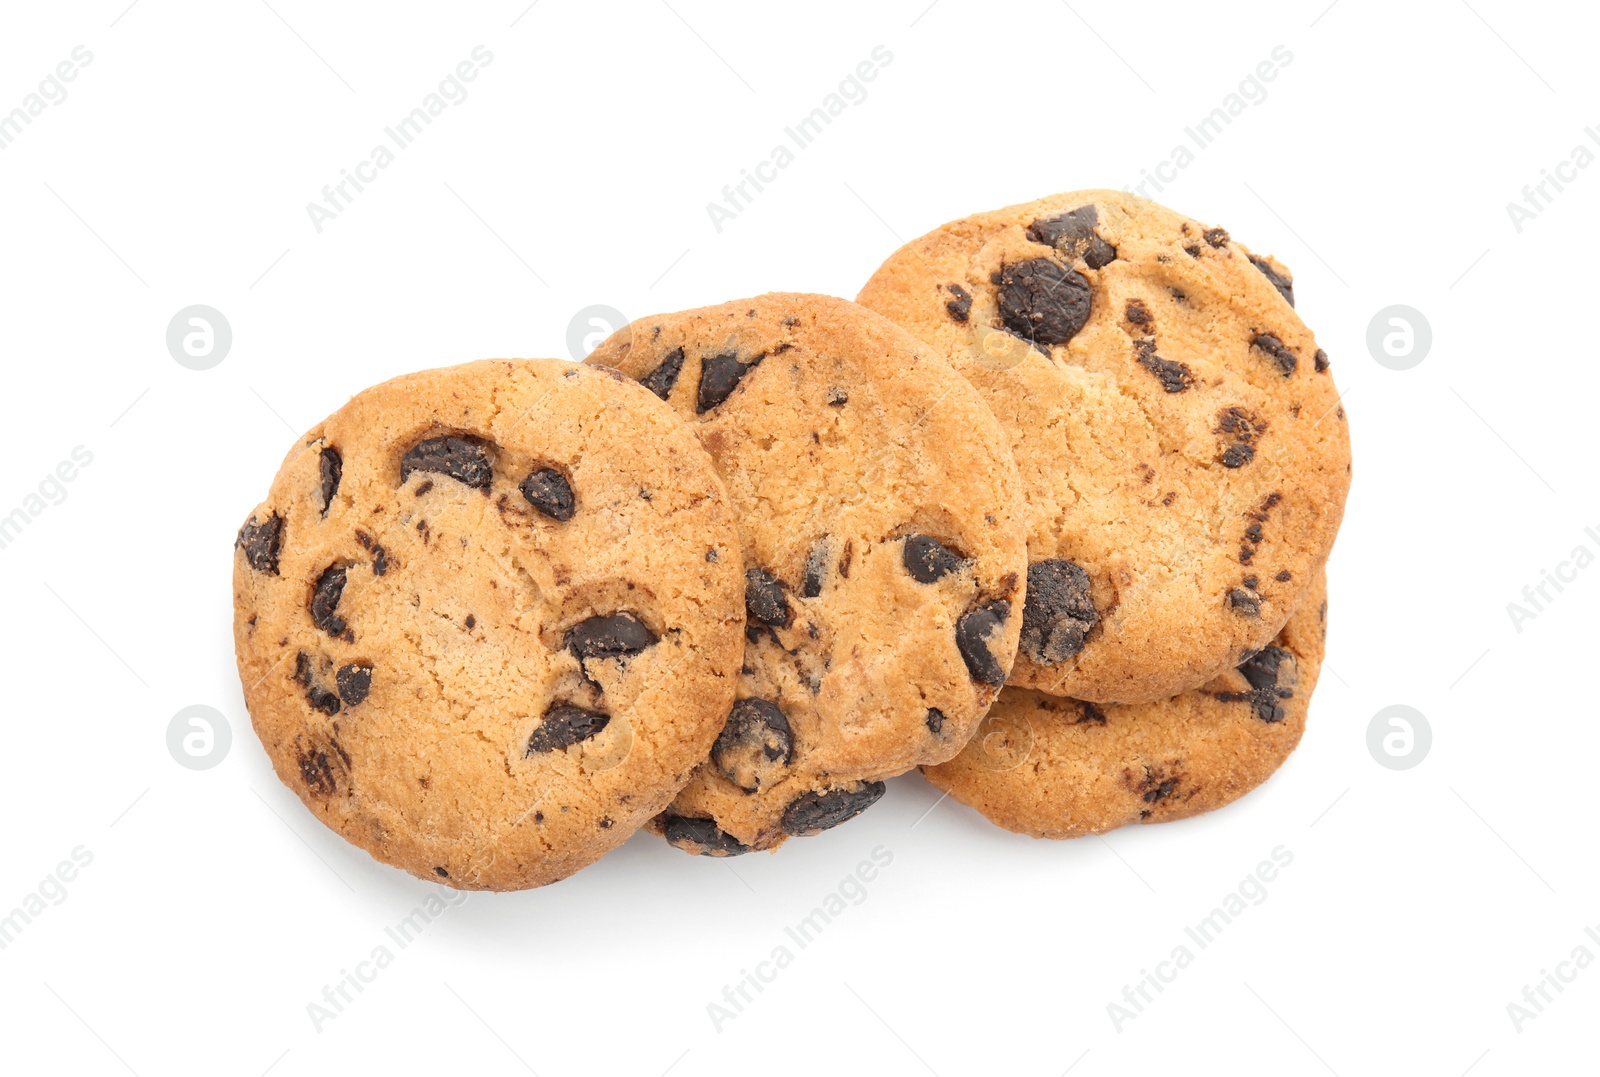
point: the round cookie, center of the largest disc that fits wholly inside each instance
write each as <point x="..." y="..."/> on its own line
<point x="1182" y="444"/>
<point x="1063" y="768"/>
<point x="489" y="618"/>
<point x="880" y="516"/>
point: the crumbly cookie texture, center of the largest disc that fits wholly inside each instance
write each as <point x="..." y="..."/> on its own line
<point x="490" y="617"/>
<point x="1182" y="444"/>
<point x="1063" y="768"/>
<point x="880" y="516"/>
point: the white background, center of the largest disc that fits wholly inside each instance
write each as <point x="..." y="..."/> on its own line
<point x="1419" y="902"/>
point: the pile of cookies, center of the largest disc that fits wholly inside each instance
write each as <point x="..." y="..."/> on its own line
<point x="1044" y="513"/>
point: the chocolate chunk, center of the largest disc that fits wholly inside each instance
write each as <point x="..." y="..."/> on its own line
<point x="973" y="630"/>
<point x="1272" y="674"/>
<point x="1284" y="577"/>
<point x="1244" y="425"/>
<point x="355" y="681"/>
<point x="1320" y="361"/>
<point x="928" y="559"/>
<point x="1217" y="237"/>
<point x="617" y="635"/>
<point x="331" y="466"/>
<point x="565" y="724"/>
<point x="1089" y="713"/>
<point x="1245" y="602"/>
<point x="325" y="601"/>
<point x="837" y="398"/>
<point x="262" y="543"/>
<point x="816" y="572"/>
<point x="465" y="459"/>
<point x="1238" y="455"/>
<point x="1073" y="235"/>
<point x="380" y="556"/>
<point x="1042" y="302"/>
<point x="1192" y="250"/>
<point x="1137" y="313"/>
<point x="935" y="720"/>
<point x="961" y="306"/>
<point x="812" y="813"/>
<point x="1277" y="351"/>
<point x="471" y="622"/>
<point x="549" y="491"/>
<point x="443" y="874"/>
<point x="1174" y="377"/>
<point x="661" y="380"/>
<point x="316" y="769"/>
<point x="1280" y="281"/>
<point x="844" y="559"/>
<point x="755" y="747"/>
<point x="720" y="375"/>
<point x="1058" y="612"/>
<point x="1246" y="428"/>
<point x="323" y="700"/>
<point x="1270" y="667"/>
<point x="764" y="599"/>
<point x="700" y="836"/>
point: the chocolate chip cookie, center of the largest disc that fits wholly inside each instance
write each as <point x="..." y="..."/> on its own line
<point x="490" y="617"/>
<point x="881" y="521"/>
<point x="1063" y="768"/>
<point x="1182" y="444"/>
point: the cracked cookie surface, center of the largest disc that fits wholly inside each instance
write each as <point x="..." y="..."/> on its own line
<point x="1182" y="445"/>
<point x="489" y="618"/>
<point x="880" y="517"/>
<point x="1062" y="768"/>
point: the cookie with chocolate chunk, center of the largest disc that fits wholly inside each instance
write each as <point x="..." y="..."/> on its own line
<point x="881" y="521"/>
<point x="1062" y="768"/>
<point x="1183" y="445"/>
<point x="489" y="618"/>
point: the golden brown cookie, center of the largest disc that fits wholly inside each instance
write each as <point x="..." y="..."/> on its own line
<point x="1063" y="768"/>
<point x="881" y="521"/>
<point x="489" y="618"/>
<point x="1181" y="441"/>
